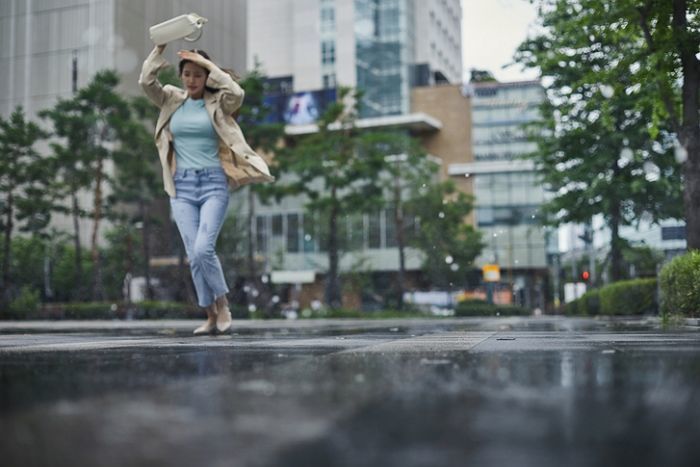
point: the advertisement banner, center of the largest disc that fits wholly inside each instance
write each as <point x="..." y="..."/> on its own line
<point x="299" y="108"/>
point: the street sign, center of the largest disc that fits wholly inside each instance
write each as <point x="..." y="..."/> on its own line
<point x="492" y="272"/>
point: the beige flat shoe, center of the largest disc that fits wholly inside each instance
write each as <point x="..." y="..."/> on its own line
<point x="210" y="325"/>
<point x="223" y="315"/>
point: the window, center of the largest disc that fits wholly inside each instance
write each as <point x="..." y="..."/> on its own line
<point x="261" y="233"/>
<point x="309" y="238"/>
<point x="328" y="52"/>
<point x="293" y="233"/>
<point x="506" y="215"/>
<point x="356" y="232"/>
<point x="327" y="18"/>
<point x="277" y="229"/>
<point x="329" y="81"/>
<point x="390" y="230"/>
<point x="375" y="230"/>
<point x="673" y="233"/>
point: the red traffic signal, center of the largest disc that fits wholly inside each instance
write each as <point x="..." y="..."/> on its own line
<point x="585" y="275"/>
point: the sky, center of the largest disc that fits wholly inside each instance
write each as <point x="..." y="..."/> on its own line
<point x="491" y="31"/>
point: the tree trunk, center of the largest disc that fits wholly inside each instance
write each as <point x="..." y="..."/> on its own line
<point x="333" y="297"/>
<point x="252" y="273"/>
<point x="691" y="193"/>
<point x="253" y="278"/>
<point x="129" y="267"/>
<point x="7" y="247"/>
<point x="615" y="246"/>
<point x="690" y="130"/>
<point x="401" y="243"/>
<point x="145" y="235"/>
<point x="97" y="290"/>
<point x="78" y="280"/>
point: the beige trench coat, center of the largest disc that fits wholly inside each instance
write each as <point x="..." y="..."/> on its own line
<point x="241" y="164"/>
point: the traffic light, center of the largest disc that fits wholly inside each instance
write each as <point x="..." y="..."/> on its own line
<point x="585" y="276"/>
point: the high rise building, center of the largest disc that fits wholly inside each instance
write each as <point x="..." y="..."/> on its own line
<point x="394" y="51"/>
<point x="383" y="47"/>
<point x="508" y="194"/>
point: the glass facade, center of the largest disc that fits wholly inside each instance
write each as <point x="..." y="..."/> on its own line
<point x="507" y="202"/>
<point x="297" y="231"/>
<point x="498" y="116"/>
<point x="384" y="53"/>
<point x="328" y="43"/>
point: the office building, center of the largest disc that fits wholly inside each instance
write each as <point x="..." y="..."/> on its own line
<point x="383" y="47"/>
<point x="508" y="194"/>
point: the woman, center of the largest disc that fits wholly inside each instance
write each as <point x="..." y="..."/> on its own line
<point x="201" y="150"/>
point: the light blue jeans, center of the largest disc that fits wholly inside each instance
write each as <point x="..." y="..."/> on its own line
<point x="199" y="209"/>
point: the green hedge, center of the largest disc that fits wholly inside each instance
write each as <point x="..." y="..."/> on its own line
<point x="477" y="307"/>
<point x="679" y="281"/>
<point x="587" y="304"/>
<point x="351" y="313"/>
<point x="107" y="310"/>
<point x="633" y="297"/>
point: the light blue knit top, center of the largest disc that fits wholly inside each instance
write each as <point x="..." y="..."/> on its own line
<point x="195" y="140"/>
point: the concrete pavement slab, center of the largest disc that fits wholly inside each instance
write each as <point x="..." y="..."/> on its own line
<point x="487" y="392"/>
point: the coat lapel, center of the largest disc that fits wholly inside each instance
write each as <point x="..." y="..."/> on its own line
<point x="169" y="109"/>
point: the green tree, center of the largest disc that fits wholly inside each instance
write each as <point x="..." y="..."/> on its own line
<point x="89" y="122"/>
<point x="232" y="247"/>
<point x="597" y="150"/>
<point x="137" y="181"/>
<point x="121" y="259"/>
<point x="481" y="76"/>
<point x="405" y="171"/>
<point x="265" y="138"/>
<point x="24" y="181"/>
<point x="448" y="242"/>
<point x="329" y="168"/>
<point x="644" y="48"/>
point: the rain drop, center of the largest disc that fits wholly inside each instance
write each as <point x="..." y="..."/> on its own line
<point x="680" y="152"/>
<point x="652" y="171"/>
<point x="607" y="91"/>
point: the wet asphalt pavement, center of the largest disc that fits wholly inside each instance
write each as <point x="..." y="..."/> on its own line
<point x="478" y="392"/>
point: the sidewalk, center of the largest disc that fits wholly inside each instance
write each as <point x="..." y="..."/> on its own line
<point x="487" y="392"/>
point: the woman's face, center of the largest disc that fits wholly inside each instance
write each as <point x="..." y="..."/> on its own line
<point x="194" y="77"/>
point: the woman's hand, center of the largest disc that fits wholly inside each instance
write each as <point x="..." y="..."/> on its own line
<point x="195" y="58"/>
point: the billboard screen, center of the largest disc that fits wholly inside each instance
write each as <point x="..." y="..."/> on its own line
<point x="299" y="108"/>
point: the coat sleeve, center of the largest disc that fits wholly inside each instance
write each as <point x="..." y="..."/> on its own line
<point x="148" y="79"/>
<point x="230" y="95"/>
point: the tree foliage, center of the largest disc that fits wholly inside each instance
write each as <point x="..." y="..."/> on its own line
<point x="406" y="169"/>
<point x="449" y="243"/>
<point x="605" y="144"/>
<point x="24" y="182"/>
<point x="265" y="138"/>
<point x="336" y="177"/>
<point x="89" y="124"/>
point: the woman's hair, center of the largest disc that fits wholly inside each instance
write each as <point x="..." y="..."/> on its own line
<point x="183" y="62"/>
<point x="181" y="66"/>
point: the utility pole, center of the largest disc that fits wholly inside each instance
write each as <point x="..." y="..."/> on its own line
<point x="75" y="71"/>
<point x="591" y="253"/>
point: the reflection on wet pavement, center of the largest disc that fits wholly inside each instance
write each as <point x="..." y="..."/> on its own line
<point x="539" y="392"/>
